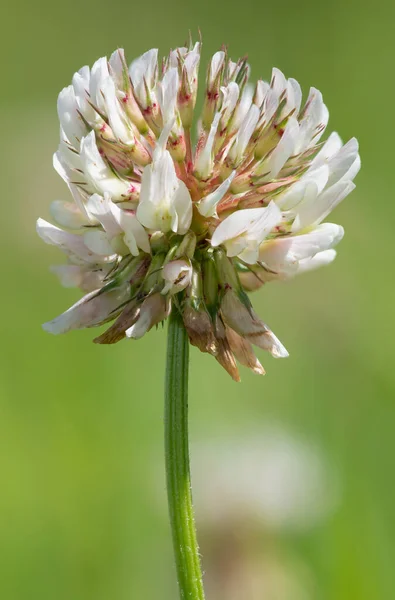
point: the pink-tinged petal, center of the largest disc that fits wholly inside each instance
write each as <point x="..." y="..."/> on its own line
<point x="71" y="243"/>
<point x="67" y="214"/>
<point x="91" y="310"/>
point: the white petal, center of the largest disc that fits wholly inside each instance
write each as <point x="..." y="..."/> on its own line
<point x="304" y="191"/>
<point x="167" y="94"/>
<point x="116" y="115"/>
<point x="261" y="90"/>
<point x="191" y="62"/>
<point x="135" y="235"/>
<point x="143" y="71"/>
<point x="208" y="205"/>
<point x="278" y="82"/>
<point x="99" y="73"/>
<point x="230" y="97"/>
<point x="282" y="255"/>
<point x="329" y="149"/>
<point x="67" y="163"/>
<point x="71" y="243"/>
<point x="100" y="208"/>
<point x="69" y="275"/>
<point x="314" y="120"/>
<point x="278" y="85"/>
<point x="98" y="172"/>
<point x="81" y="84"/>
<point x="311" y="214"/>
<point x="319" y="260"/>
<point x="90" y="310"/>
<point x="243" y="107"/>
<point x="246" y="130"/>
<point x="67" y="214"/>
<point x="175" y="54"/>
<point x="165" y="203"/>
<point x="284" y="149"/>
<point x="294" y="96"/>
<point x="216" y="64"/>
<point x="98" y="242"/>
<point x="256" y="222"/>
<point x="71" y="122"/>
<point x="182" y="204"/>
<point x="301" y="195"/>
<point x="205" y="161"/>
<point x="345" y="164"/>
<point x="117" y="67"/>
<point x="86" y="277"/>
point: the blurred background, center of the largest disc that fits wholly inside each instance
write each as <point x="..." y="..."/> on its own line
<point x="294" y="472"/>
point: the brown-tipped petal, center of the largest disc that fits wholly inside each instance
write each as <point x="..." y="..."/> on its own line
<point x="226" y="359"/>
<point x="200" y="330"/>
<point x="247" y="324"/>
<point x="116" y="332"/>
<point x="242" y="349"/>
<point x="154" y="309"/>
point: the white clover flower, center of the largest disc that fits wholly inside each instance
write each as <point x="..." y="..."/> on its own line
<point x="156" y="221"/>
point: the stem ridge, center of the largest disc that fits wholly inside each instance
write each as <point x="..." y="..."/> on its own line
<point x="179" y="491"/>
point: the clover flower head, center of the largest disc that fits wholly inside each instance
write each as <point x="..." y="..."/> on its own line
<point x="156" y="221"/>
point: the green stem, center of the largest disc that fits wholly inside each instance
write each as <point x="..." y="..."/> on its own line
<point x="178" y="476"/>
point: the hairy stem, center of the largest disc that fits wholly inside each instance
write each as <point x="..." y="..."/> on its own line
<point x="182" y="522"/>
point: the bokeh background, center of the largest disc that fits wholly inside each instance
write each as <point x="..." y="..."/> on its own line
<point x="82" y="496"/>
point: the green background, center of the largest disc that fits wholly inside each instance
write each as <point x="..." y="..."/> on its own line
<point x="82" y="516"/>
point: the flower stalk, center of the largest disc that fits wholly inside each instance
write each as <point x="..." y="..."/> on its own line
<point x="178" y="476"/>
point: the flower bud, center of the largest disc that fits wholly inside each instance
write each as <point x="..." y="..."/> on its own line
<point x="197" y="321"/>
<point x="187" y="246"/>
<point x="144" y="74"/>
<point x="177" y="275"/>
<point x="210" y="285"/>
<point x="153" y="279"/>
<point x="187" y="62"/>
<point x="119" y="70"/>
